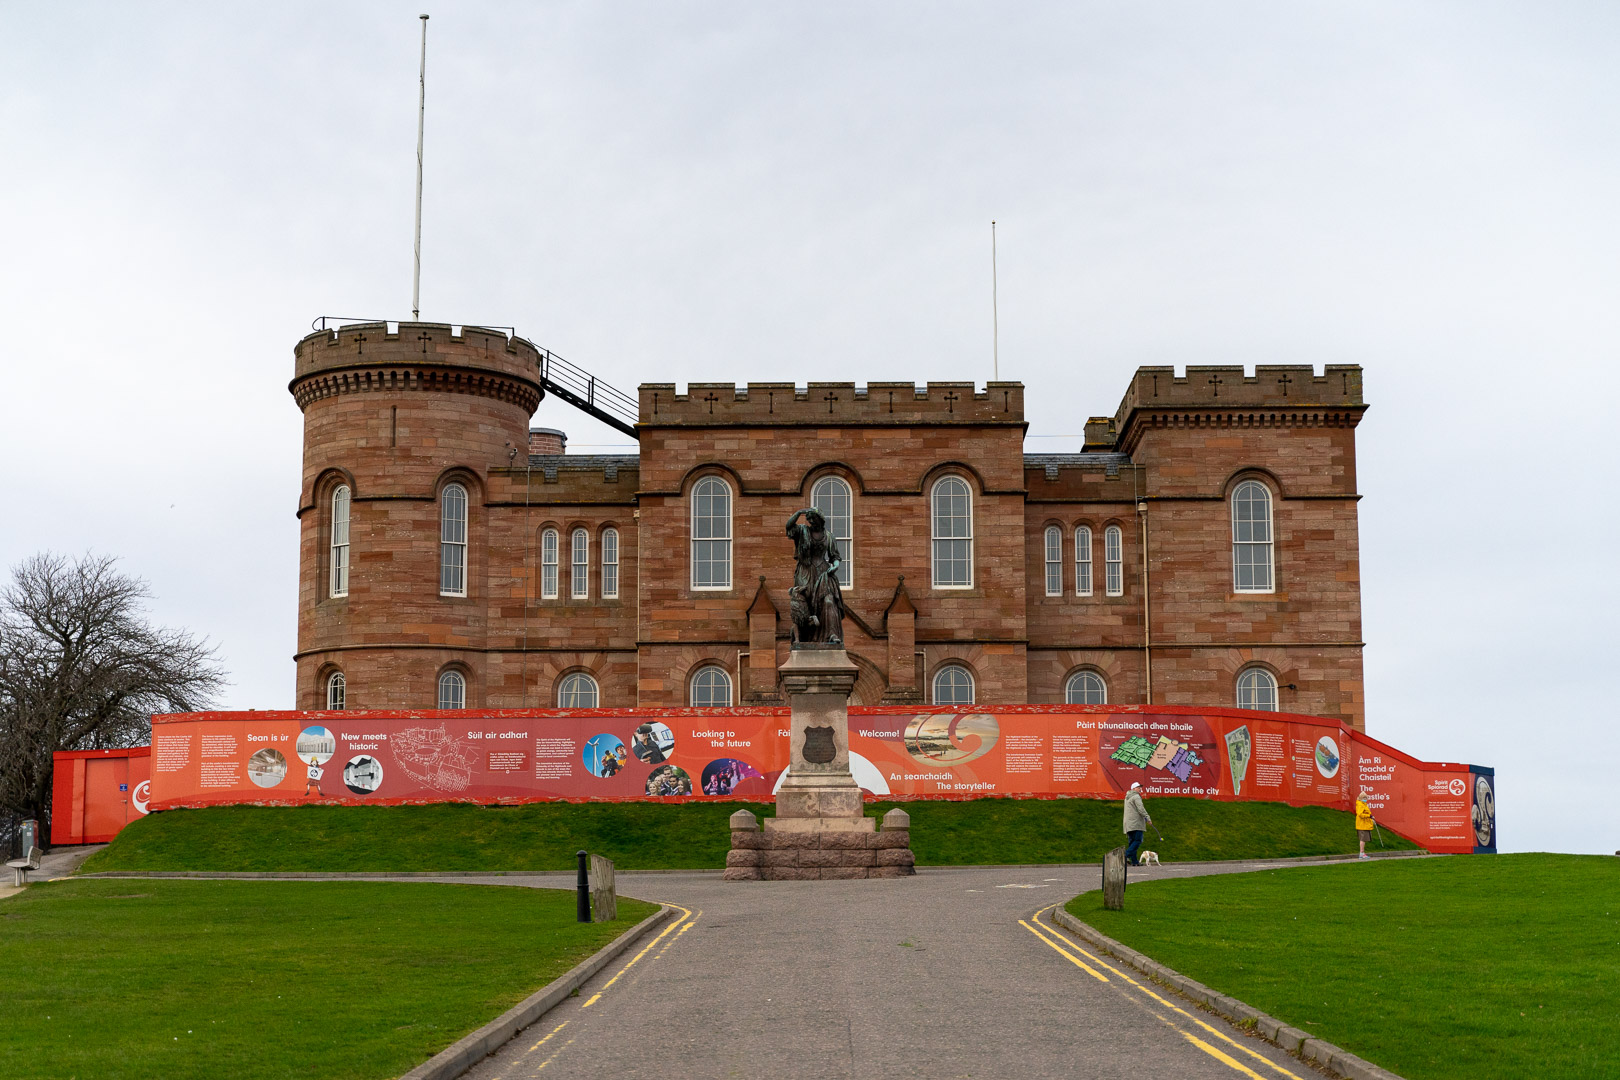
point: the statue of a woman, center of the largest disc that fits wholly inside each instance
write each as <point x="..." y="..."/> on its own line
<point x="816" y="603"/>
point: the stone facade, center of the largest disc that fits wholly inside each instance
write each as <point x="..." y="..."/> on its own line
<point x="397" y="417"/>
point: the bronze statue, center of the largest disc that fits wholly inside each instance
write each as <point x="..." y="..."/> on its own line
<point x="815" y="603"/>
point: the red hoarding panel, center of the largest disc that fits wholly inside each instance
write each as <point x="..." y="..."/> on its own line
<point x="95" y="793"/>
<point x="500" y="756"/>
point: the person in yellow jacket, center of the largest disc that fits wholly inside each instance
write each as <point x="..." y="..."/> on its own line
<point x="1364" y="821"/>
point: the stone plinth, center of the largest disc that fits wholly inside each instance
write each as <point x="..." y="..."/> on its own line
<point x="817" y="682"/>
<point x="835" y="851"/>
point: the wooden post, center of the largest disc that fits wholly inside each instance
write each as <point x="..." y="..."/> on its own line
<point x="1114" y="874"/>
<point x="604" y="897"/>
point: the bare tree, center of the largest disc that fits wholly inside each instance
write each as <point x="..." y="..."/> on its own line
<point x="81" y="669"/>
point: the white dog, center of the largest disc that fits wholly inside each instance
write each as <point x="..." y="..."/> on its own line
<point x="1148" y="858"/>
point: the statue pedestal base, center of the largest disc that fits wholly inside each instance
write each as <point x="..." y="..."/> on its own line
<point x="820" y="830"/>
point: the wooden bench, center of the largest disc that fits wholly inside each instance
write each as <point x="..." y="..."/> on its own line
<point x="20" y="867"/>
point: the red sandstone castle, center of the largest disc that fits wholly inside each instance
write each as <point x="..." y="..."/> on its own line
<point x="1201" y="550"/>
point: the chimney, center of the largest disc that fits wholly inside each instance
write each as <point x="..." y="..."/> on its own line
<point x="544" y="440"/>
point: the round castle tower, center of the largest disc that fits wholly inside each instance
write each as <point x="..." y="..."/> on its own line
<point x="401" y="431"/>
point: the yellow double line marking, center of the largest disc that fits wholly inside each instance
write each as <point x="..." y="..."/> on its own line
<point x="684" y="923"/>
<point x="1062" y="943"/>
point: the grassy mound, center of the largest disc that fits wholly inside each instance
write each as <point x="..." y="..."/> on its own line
<point x="1436" y="968"/>
<point x="656" y="836"/>
<point x="249" y="979"/>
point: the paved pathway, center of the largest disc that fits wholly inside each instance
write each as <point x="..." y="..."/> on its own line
<point x="953" y="973"/>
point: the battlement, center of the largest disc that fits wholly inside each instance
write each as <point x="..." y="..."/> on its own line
<point x="832" y="404"/>
<point x="363" y="346"/>
<point x="1226" y="386"/>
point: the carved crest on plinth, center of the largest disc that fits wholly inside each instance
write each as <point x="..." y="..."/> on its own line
<point x="819" y="747"/>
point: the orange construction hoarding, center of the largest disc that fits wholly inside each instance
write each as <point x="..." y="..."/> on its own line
<point x="509" y="756"/>
<point x="95" y="793"/>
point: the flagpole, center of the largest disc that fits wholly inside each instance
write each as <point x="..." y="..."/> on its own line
<point x="995" y="310"/>
<point x="421" y="116"/>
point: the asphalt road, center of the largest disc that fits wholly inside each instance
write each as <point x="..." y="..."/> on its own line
<point x="952" y="973"/>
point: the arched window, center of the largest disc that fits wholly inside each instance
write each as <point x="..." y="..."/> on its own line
<point x="711" y="688"/>
<point x="610" y="564"/>
<point x="1114" y="560"/>
<point x="711" y="534"/>
<point x="953" y="534"/>
<point x="953" y="685"/>
<point x="452" y="691"/>
<point x="335" y="690"/>
<point x="578" y="691"/>
<point x="453" y="542"/>
<point x="833" y="498"/>
<point x="579" y="566"/>
<point x="1257" y="689"/>
<point x="340" y="541"/>
<point x="1054" y="561"/>
<point x="1082" y="561"/>
<point x="1085" y="688"/>
<point x="548" y="564"/>
<point x="1251" y="538"/>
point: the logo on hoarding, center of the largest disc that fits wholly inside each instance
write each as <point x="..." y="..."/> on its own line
<point x="1484" y="811"/>
<point x="1327" y="757"/>
<point x="141" y="796"/>
<point x="1458" y="786"/>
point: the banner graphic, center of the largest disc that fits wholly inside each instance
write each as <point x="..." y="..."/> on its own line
<point x="508" y="756"/>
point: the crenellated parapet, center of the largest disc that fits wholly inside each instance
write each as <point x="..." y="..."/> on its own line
<point x="831" y="404"/>
<point x="1276" y="395"/>
<point x="367" y="357"/>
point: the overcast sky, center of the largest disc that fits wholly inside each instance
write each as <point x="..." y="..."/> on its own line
<point x="671" y="192"/>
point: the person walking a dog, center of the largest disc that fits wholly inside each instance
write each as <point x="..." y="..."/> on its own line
<point x="1137" y="820"/>
<point x="1364" y="822"/>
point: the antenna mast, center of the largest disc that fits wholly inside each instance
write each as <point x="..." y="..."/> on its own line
<point x="421" y="116"/>
<point x="995" y="310"/>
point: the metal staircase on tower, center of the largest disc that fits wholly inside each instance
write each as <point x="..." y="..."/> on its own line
<point x="587" y="393"/>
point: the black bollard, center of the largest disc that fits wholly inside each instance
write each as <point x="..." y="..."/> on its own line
<point x="583" y="887"/>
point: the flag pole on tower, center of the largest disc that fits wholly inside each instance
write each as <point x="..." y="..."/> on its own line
<point x="421" y="116"/>
<point x="995" y="310"/>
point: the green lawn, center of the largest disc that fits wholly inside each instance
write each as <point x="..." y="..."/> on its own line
<point x="119" y="979"/>
<point x="1465" y="967"/>
<point x="654" y="836"/>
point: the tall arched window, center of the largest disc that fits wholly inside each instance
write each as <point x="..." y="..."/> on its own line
<point x="1082" y="561"/>
<point x="1114" y="560"/>
<point x="1054" y="561"/>
<point x="953" y="685"/>
<point x="579" y="565"/>
<point x="548" y="564"/>
<point x="578" y="691"/>
<point x="1085" y="688"/>
<point x="453" y="542"/>
<point x="610" y="564"/>
<point x="340" y="541"/>
<point x="336" y="690"/>
<point x="711" y="688"/>
<point x="953" y="534"/>
<point x="711" y="534"/>
<point x="1257" y="689"/>
<point x="833" y="498"/>
<point x="452" y="691"/>
<point x="1251" y="538"/>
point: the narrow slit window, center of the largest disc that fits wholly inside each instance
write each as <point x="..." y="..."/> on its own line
<point x="453" y="542"/>
<point x="548" y="564"/>
<point x="1114" y="559"/>
<point x="579" y="566"/>
<point x="1054" y="561"/>
<point x="340" y="541"/>
<point x="833" y="498"/>
<point x="610" y="564"/>
<point x="1082" y="561"/>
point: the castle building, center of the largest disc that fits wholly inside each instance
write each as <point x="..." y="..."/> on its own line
<point x="1201" y="550"/>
